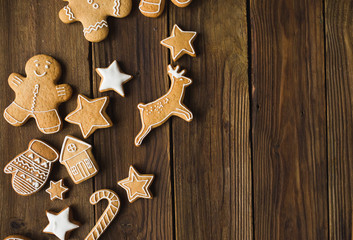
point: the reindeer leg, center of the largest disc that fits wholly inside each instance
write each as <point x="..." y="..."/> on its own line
<point x="142" y="134"/>
<point x="185" y="112"/>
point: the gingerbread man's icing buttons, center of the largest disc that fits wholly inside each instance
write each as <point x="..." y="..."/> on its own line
<point x="180" y="43"/>
<point x="159" y="111"/>
<point x="90" y="114"/>
<point x="137" y="185"/>
<point x="30" y="170"/>
<point x="154" y="8"/>
<point x="93" y="15"/>
<point x="60" y="224"/>
<point x="37" y="96"/>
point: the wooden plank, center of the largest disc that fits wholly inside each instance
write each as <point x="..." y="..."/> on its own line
<point x="289" y="120"/>
<point x="339" y="79"/>
<point x="28" y="28"/>
<point x="134" y="43"/>
<point x="211" y="155"/>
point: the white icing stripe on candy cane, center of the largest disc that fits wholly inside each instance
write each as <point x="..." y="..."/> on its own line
<point x="69" y="13"/>
<point x="95" y="27"/>
<point x="109" y="214"/>
<point x="116" y="7"/>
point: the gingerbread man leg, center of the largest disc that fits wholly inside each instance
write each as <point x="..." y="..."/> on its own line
<point x="48" y="121"/>
<point x="152" y="8"/>
<point x="15" y="115"/>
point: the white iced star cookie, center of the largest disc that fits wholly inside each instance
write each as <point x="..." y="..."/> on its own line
<point x="112" y="78"/>
<point x="60" y="224"/>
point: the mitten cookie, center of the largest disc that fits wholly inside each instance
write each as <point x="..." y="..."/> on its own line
<point x="154" y="8"/>
<point x="159" y="111"/>
<point x="60" y="224"/>
<point x="30" y="169"/>
<point x="37" y="96"/>
<point x="93" y="15"/>
<point x="90" y="114"/>
<point x="77" y="157"/>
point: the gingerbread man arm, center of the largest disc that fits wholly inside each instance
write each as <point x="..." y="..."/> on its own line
<point x="64" y="92"/>
<point x="15" y="80"/>
<point x="66" y="15"/>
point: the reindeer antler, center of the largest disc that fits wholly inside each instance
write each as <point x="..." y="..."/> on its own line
<point x="174" y="71"/>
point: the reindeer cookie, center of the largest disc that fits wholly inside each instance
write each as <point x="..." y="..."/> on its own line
<point x="158" y="112"/>
<point x="37" y="96"/>
<point x="93" y="15"/>
<point x="154" y="8"/>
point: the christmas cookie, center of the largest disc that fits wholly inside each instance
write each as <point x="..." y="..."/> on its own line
<point x="16" y="237"/>
<point x="57" y="190"/>
<point x="159" y="111"/>
<point x="112" y="78"/>
<point x="77" y="157"/>
<point x="90" y="114"/>
<point x="180" y="43"/>
<point x="93" y="15"/>
<point x="137" y="185"/>
<point x="37" y="96"/>
<point x="109" y="213"/>
<point x="60" y="224"/>
<point x="154" y="8"/>
<point x="30" y="169"/>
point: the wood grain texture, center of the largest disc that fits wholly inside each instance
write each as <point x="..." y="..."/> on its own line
<point x="339" y="77"/>
<point x="134" y="43"/>
<point x="211" y="155"/>
<point x="289" y="120"/>
<point x="29" y="28"/>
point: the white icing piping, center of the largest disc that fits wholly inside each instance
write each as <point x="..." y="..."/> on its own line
<point x="69" y="13"/>
<point x="39" y="75"/>
<point x="95" y="27"/>
<point x="116" y="7"/>
<point x="35" y="93"/>
<point x="151" y="3"/>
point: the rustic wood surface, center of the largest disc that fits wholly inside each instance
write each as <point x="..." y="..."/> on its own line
<point x="268" y="154"/>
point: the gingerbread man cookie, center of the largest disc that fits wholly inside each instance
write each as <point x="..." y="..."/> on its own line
<point x="37" y="96"/>
<point x="154" y="8"/>
<point x="93" y="15"/>
<point x="159" y="111"/>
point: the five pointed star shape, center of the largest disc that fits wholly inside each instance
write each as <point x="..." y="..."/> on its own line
<point x="137" y="185"/>
<point x="59" y="224"/>
<point x="90" y="114"/>
<point x="113" y="78"/>
<point x="57" y="190"/>
<point x="180" y="42"/>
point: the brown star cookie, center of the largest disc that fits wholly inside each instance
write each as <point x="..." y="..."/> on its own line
<point x="90" y="114"/>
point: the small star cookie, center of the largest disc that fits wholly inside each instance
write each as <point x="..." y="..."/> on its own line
<point x="180" y="43"/>
<point x="137" y="185"/>
<point x="60" y="224"/>
<point x="113" y="78"/>
<point x="90" y="114"/>
<point x="93" y="15"/>
<point x="57" y="190"/>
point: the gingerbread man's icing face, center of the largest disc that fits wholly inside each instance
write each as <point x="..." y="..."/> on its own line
<point x="43" y="67"/>
<point x="93" y="15"/>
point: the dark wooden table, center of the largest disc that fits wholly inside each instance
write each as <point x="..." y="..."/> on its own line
<point x="269" y="154"/>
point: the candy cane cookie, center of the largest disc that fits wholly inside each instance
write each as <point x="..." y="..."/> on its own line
<point x="108" y="215"/>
